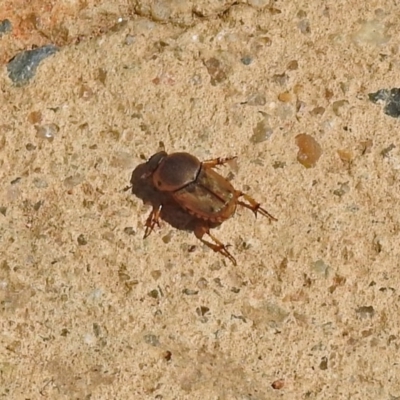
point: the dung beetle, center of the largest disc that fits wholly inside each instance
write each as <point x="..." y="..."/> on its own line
<point x="200" y="191"/>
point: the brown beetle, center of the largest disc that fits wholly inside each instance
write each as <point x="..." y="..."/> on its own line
<point x="196" y="188"/>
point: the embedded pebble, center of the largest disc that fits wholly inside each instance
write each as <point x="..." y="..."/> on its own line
<point x="337" y="105"/>
<point x="202" y="283"/>
<point x="129" y="39"/>
<point x="196" y="79"/>
<point x="30" y="147"/>
<point x="47" y="131"/>
<point x="285" y="111"/>
<point x="304" y="26"/>
<point x="81" y="240"/>
<point x="35" y="117"/>
<point x="2" y="142"/>
<point x="40" y="183"/>
<point x="309" y="150"/>
<point x="129" y="230"/>
<point x="202" y="311"/>
<point x="154" y="294"/>
<point x="317" y="111"/>
<point x="285" y="97"/>
<point x="13" y="193"/>
<point x="246" y="60"/>
<point x="342" y="190"/>
<point x="280" y="79"/>
<point x="74" y="180"/>
<point x="85" y="92"/>
<point x="320" y="268"/>
<point x="278" y="164"/>
<point x="262" y="131"/>
<point x="293" y="65"/>
<point x="122" y="159"/>
<point x="109" y="236"/>
<point x="386" y="151"/>
<point x="151" y="339"/>
<point x="102" y="75"/>
<point x="365" y="312"/>
<point x="256" y="99"/>
<point x="390" y="98"/>
<point x="38" y="204"/>
<point x="22" y="68"/>
<point x="278" y="384"/>
<point x="156" y="274"/>
<point x="190" y="292"/>
<point x="372" y="33"/>
<point x="345" y="155"/>
<point x="258" y="3"/>
<point x="161" y="11"/>
<point x="5" y="27"/>
<point x="167" y="238"/>
<point x="216" y="70"/>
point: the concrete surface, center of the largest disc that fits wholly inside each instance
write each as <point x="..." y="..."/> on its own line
<point x="91" y="310"/>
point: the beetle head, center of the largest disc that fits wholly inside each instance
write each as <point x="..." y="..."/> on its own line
<point x="153" y="163"/>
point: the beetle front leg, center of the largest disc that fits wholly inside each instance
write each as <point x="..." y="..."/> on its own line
<point x="152" y="220"/>
<point x="217" y="161"/>
<point x="217" y="246"/>
<point x="254" y="206"/>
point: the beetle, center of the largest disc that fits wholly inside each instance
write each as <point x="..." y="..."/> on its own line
<point x="199" y="190"/>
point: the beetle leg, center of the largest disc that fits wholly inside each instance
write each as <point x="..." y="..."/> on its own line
<point x="217" y="161"/>
<point x="152" y="220"/>
<point x="217" y="246"/>
<point x="254" y="206"/>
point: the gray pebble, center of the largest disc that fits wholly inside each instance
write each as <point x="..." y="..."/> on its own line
<point x="22" y="68"/>
<point x="5" y="27"/>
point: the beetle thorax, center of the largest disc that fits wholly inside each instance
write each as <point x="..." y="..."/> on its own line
<point x="176" y="171"/>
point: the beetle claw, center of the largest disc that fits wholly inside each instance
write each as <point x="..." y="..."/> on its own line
<point x="264" y="212"/>
<point x="254" y="206"/>
<point x="126" y="188"/>
<point x="222" y="249"/>
<point x="152" y="220"/>
<point x="217" y="246"/>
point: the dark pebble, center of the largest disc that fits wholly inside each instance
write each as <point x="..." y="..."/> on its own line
<point x="22" y="68"/>
<point x="390" y="99"/>
<point x="246" y="60"/>
<point x="5" y="27"/>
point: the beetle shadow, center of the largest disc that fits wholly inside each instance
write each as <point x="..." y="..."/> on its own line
<point x="171" y="212"/>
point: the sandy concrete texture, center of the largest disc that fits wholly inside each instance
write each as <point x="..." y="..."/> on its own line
<point x="90" y="310"/>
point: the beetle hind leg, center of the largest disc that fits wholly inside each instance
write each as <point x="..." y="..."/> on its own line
<point x="254" y="206"/>
<point x="217" y="246"/>
<point x="152" y="220"/>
